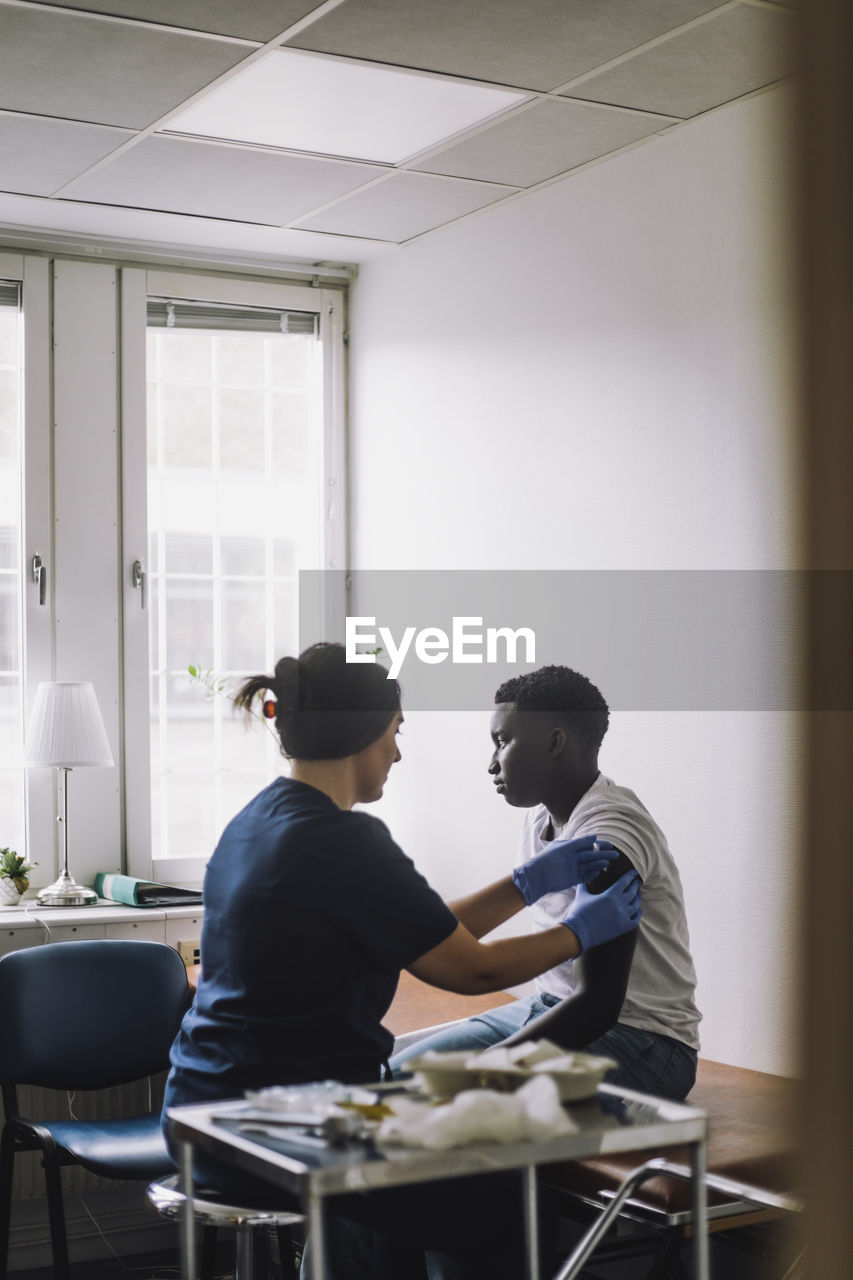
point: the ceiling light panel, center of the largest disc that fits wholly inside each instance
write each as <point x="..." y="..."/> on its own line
<point x="305" y="102"/>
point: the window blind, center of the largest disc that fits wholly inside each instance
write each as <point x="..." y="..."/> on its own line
<point x="10" y="293"/>
<point x="166" y="313"/>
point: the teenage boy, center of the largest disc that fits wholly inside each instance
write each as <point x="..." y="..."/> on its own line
<point x="631" y="999"/>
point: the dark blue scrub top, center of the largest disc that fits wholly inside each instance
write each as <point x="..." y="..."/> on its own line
<point x="310" y="914"/>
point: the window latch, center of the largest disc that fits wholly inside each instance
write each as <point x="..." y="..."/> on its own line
<point x="139" y="580"/>
<point x="40" y="576"/>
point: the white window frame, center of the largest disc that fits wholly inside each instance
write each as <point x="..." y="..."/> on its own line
<point x="137" y="284"/>
<point x="37" y="630"/>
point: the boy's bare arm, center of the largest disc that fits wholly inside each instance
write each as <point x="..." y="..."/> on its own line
<point x="601" y="976"/>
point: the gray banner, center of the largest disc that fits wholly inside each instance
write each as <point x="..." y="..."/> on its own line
<point x="691" y="640"/>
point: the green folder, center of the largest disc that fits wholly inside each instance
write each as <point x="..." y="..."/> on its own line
<point x="143" y="893"/>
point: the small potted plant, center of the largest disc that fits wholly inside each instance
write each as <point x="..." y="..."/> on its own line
<point x="14" y="877"/>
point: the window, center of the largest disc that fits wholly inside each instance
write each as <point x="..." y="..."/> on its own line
<point x="235" y="505"/>
<point x="243" y="448"/>
<point x="11" y="533"/>
<point x="166" y="544"/>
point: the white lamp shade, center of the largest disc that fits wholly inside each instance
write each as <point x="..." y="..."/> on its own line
<point x="66" y="728"/>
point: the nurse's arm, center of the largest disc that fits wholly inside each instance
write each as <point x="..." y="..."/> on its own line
<point x="463" y="964"/>
<point x="484" y="910"/>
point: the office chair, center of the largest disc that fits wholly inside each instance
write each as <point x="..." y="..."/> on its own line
<point x="84" y="1016"/>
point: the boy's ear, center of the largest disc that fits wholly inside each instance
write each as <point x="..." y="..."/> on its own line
<point x="557" y="741"/>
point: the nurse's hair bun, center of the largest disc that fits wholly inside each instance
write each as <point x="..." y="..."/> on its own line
<point x="325" y="707"/>
<point x="286" y="684"/>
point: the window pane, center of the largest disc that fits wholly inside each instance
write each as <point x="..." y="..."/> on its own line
<point x="186" y="357"/>
<point x="241" y="359"/>
<point x="8" y="547"/>
<point x="283" y="558"/>
<point x="11" y="772"/>
<point x="241" y="429"/>
<point x="8" y="404"/>
<point x="187" y="427"/>
<point x="292" y="362"/>
<point x="10" y="744"/>
<point x="243" y="609"/>
<point x="189" y="624"/>
<point x="285" y="618"/>
<point x="9" y="606"/>
<point x="243" y="555"/>
<point x="291" y="426"/>
<point x="190" y="815"/>
<point x="246" y="744"/>
<point x="187" y="553"/>
<point x="190" y="733"/>
<point x="235" y="509"/>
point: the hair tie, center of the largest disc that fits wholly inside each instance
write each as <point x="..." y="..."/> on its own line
<point x="269" y="709"/>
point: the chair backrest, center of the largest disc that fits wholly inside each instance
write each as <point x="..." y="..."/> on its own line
<point x="88" y="1015"/>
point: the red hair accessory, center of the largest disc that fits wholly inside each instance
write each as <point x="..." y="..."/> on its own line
<point x="269" y="709"/>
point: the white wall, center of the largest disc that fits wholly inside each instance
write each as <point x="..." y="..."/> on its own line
<point x="597" y="376"/>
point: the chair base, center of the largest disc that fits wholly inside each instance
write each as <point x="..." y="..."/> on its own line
<point x="214" y="1212"/>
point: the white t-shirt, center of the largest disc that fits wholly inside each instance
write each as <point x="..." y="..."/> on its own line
<point x="663" y="980"/>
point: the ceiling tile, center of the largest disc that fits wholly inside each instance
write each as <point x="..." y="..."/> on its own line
<point x="182" y="176"/>
<point x="38" y="155"/>
<point x="250" y="19"/>
<point x="533" y="44"/>
<point x="177" y="236"/>
<point x="405" y="205"/>
<point x="542" y="141"/>
<point x="731" y="54"/>
<point x="85" y="68"/>
<point x="310" y="102"/>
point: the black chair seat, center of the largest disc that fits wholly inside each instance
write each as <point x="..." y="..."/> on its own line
<point x="132" y="1148"/>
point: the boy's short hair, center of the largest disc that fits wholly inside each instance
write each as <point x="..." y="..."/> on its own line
<point x="563" y="692"/>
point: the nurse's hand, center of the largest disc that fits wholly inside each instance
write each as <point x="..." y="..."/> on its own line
<point x="563" y="864"/>
<point x="597" y="917"/>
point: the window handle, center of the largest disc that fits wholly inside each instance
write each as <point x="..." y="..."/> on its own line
<point x="139" y="581"/>
<point x="40" y="576"/>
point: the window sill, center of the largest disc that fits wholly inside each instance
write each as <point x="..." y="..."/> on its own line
<point x="103" y="912"/>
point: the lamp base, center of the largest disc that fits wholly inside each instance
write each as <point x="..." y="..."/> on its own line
<point x="66" y="892"/>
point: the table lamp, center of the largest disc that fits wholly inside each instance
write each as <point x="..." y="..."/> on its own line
<point x="67" y="731"/>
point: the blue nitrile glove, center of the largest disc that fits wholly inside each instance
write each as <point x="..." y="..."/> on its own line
<point x="563" y="864"/>
<point x="598" y="917"/>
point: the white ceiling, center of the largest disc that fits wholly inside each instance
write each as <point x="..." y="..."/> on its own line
<point x="197" y="123"/>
